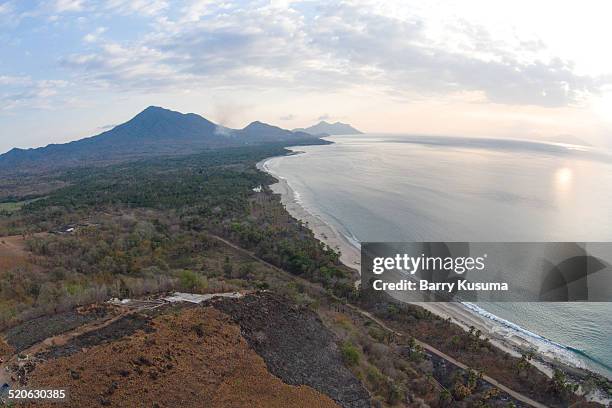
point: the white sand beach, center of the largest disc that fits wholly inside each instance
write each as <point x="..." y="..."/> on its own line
<point x="349" y="254"/>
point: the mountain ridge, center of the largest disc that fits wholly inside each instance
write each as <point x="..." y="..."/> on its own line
<point x="328" y="129"/>
<point x="155" y="131"/>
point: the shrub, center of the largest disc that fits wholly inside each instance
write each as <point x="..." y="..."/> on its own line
<point x="350" y="353"/>
<point x="375" y="377"/>
<point x="377" y="334"/>
<point x="461" y="391"/>
<point x="191" y="281"/>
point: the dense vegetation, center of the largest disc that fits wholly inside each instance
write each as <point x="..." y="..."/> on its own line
<point x="145" y="226"/>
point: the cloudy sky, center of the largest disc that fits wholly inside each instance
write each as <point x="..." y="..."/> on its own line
<point x="527" y="69"/>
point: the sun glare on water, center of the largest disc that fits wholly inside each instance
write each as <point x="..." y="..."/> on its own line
<point x="563" y="178"/>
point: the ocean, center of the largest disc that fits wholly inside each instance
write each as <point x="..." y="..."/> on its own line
<point x="378" y="187"/>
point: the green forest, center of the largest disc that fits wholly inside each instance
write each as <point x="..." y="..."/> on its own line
<point x="143" y="227"/>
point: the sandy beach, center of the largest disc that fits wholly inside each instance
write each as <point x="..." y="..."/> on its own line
<point x="547" y="357"/>
<point x="349" y="254"/>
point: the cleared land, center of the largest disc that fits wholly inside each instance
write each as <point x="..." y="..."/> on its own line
<point x="193" y="356"/>
<point x="12" y="252"/>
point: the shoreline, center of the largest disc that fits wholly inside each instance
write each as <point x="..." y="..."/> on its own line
<point x="349" y="254"/>
<point x="501" y="337"/>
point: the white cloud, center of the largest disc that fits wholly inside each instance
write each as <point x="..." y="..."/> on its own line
<point x="5" y="8"/>
<point x="9" y="17"/>
<point x="25" y="92"/>
<point x="323" y="46"/>
<point x="197" y="9"/>
<point x="8" y="80"/>
<point x="62" y="6"/>
<point x="94" y="35"/>
<point x="144" y="7"/>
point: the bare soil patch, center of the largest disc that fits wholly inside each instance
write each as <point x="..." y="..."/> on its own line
<point x="13" y="252"/>
<point x="192" y="357"/>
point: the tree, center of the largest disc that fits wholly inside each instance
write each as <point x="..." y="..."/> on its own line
<point x="559" y="385"/>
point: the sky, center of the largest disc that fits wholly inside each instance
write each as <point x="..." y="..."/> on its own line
<point x="522" y="69"/>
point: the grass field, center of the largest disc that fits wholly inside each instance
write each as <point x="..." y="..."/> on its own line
<point x="13" y="207"/>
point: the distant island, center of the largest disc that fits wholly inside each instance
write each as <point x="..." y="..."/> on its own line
<point x="324" y="128"/>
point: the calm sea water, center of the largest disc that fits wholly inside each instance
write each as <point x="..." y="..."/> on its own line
<point x="410" y="188"/>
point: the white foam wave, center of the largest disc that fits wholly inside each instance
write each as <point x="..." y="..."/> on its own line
<point x="541" y="344"/>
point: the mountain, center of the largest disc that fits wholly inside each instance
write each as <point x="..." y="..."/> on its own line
<point x="153" y="132"/>
<point x="325" y="128"/>
<point x="258" y="132"/>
